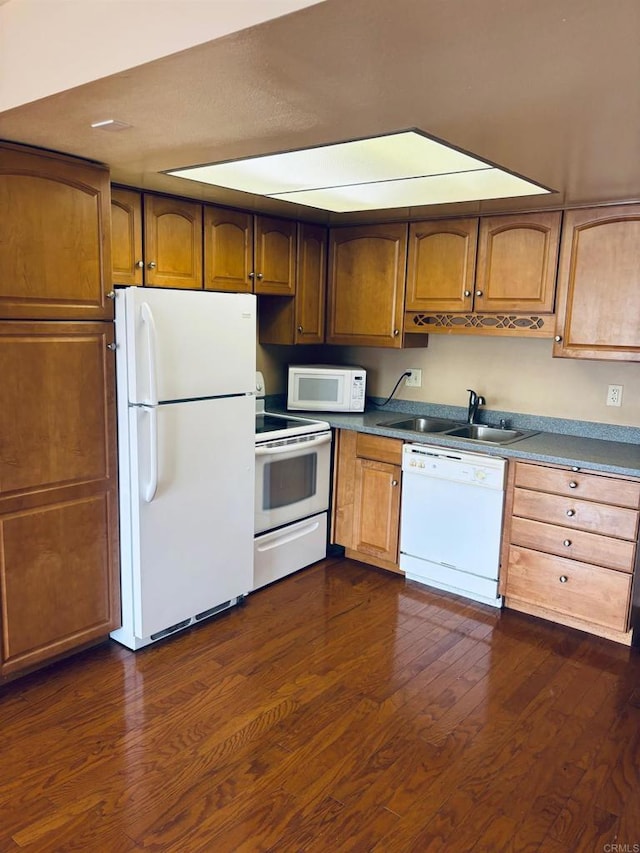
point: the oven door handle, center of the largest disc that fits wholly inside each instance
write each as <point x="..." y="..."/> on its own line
<point x="264" y="450"/>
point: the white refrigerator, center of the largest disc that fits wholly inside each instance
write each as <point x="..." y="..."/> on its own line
<point x="185" y="369"/>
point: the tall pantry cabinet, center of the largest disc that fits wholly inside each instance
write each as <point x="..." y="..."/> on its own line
<point x="59" y="579"/>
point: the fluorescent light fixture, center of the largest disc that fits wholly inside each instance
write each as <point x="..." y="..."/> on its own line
<point x="404" y="169"/>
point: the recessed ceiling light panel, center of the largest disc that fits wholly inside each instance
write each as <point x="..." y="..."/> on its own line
<point x="403" y="169"/>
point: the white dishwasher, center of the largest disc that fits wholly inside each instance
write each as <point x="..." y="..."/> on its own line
<point x="451" y="520"/>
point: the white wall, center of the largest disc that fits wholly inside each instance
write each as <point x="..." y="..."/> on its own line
<point x="48" y="46"/>
<point x="513" y="374"/>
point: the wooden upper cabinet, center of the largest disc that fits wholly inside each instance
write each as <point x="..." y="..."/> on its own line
<point x="311" y="284"/>
<point x="173" y="242"/>
<point x="599" y="284"/>
<point x="244" y="253"/>
<point x="59" y="577"/>
<point x="299" y="319"/>
<point x="126" y="237"/>
<point x="228" y="250"/>
<point x="367" y="266"/>
<point x="441" y="265"/>
<point x="275" y="256"/>
<point x="517" y="262"/>
<point x="55" y="249"/>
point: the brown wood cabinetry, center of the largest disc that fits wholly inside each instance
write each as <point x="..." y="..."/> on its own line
<point x="59" y="579"/>
<point x="441" y="265"/>
<point x="599" y="284"/>
<point x="127" y="260"/>
<point x="507" y="287"/>
<point x="300" y="319"/>
<point x="366" y="286"/>
<point x="244" y="253"/>
<point x="570" y="547"/>
<point x="171" y="255"/>
<point x="367" y="497"/>
<point x="54" y="247"/>
<point x="228" y="250"/>
<point x="58" y="509"/>
<point x="172" y="242"/>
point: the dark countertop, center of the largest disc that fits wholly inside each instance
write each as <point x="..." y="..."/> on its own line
<point x="557" y="441"/>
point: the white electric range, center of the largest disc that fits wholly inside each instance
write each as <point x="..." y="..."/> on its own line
<point x="293" y="469"/>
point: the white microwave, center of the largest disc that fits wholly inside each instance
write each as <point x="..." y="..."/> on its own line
<point x="326" y="388"/>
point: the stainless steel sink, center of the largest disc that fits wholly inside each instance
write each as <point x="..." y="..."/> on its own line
<point x="455" y="429"/>
<point x="491" y="435"/>
<point x="421" y="424"/>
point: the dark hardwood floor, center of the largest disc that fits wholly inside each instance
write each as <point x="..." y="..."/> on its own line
<point x="340" y="709"/>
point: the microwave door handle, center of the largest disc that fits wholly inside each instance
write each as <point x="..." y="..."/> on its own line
<point x="152" y="338"/>
<point x="262" y="450"/>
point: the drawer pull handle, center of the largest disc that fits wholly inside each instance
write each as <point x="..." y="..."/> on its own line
<point x="571" y="513"/>
<point x="563" y="578"/>
<point x="567" y="543"/>
<point x="573" y="485"/>
<point x="394" y="482"/>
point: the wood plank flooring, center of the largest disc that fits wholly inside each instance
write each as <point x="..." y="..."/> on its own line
<point x="341" y="709"/>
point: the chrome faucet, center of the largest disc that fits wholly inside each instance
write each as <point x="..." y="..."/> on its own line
<point x="475" y="401"/>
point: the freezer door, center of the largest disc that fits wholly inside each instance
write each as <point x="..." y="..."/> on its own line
<point x="185" y="344"/>
<point x="191" y="532"/>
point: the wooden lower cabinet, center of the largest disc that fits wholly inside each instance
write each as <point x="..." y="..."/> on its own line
<point x="367" y="476"/>
<point x="570" y="547"/>
<point x="59" y="578"/>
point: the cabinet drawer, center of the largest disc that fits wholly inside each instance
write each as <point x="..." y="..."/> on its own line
<point x="581" y="515"/>
<point x="380" y="448"/>
<point x="588" y="593"/>
<point x="578" y="484"/>
<point x="574" y="544"/>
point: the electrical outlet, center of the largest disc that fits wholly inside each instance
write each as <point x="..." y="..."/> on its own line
<point x="614" y="395"/>
<point x="415" y="380"/>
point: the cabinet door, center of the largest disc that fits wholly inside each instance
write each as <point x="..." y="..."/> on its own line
<point x="228" y="250"/>
<point x="599" y="284"/>
<point x="377" y="509"/>
<point x="173" y="242"/>
<point x="441" y="265"/>
<point x="55" y="248"/>
<point x="275" y="256"/>
<point x="311" y="287"/>
<point x="367" y="266"/>
<point x="517" y="261"/>
<point x="58" y="513"/>
<point x="126" y="237"/>
<point x="299" y="319"/>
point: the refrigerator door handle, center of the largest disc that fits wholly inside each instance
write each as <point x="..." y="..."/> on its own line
<point x="152" y="337"/>
<point x="152" y="486"/>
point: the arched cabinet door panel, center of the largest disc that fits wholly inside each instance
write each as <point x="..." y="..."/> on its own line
<point x="172" y="242"/>
<point x="517" y="263"/>
<point x="599" y="284"/>
<point x="367" y="266"/>
<point x="55" y="247"/>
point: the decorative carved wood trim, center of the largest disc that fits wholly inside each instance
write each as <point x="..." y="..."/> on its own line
<point x="525" y="325"/>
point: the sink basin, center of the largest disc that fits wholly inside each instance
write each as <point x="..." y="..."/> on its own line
<point x="493" y="435"/>
<point x="421" y="424"/>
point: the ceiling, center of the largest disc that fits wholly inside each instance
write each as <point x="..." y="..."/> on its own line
<point x="547" y="89"/>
